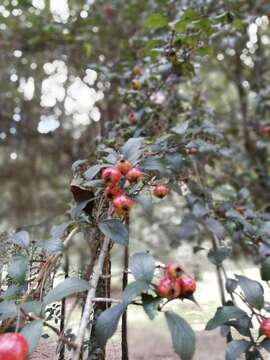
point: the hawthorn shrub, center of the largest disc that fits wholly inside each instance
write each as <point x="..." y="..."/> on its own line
<point x="161" y="142"/>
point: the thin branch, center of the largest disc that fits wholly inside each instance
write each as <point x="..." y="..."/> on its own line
<point x="88" y="308"/>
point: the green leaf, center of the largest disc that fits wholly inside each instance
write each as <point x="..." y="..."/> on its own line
<point x="7" y="309"/>
<point x="93" y="171"/>
<point x="215" y="227"/>
<point x="32" y="307"/>
<point x="225" y="314"/>
<point x="181" y="128"/>
<point x="235" y="348"/>
<point x="153" y="164"/>
<point x="57" y="231"/>
<point x="187" y="18"/>
<point x="131" y="150"/>
<point x="115" y="230"/>
<point x="13" y="291"/>
<point x="52" y="245"/>
<point x="155" y="21"/>
<point x="66" y="288"/>
<point x="32" y="332"/>
<point x="142" y="266"/>
<point x="21" y="239"/>
<point x="107" y="323"/>
<point x="203" y="51"/>
<point x="217" y="256"/>
<point x="265" y="270"/>
<point x="17" y="268"/>
<point x="183" y="337"/>
<point x="231" y="285"/>
<point x="133" y="290"/>
<point x="150" y="305"/>
<point x="252" y="290"/>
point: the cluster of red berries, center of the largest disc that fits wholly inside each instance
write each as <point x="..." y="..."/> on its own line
<point x="13" y="346"/>
<point x="122" y="203"/>
<point x="112" y="176"/>
<point x="175" y="283"/>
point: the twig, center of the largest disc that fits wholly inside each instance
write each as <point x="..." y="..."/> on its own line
<point x="88" y="308"/>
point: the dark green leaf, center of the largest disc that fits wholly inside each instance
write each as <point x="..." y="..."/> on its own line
<point x="217" y="256"/>
<point x="115" y="230"/>
<point x="17" y="268"/>
<point x="93" y="171"/>
<point x="133" y="290"/>
<point x="231" y="285"/>
<point x="58" y="231"/>
<point x="32" y="332"/>
<point x="7" y="309"/>
<point x="265" y="270"/>
<point x="131" y="149"/>
<point x="215" y="227"/>
<point x="225" y="314"/>
<point x="153" y="164"/>
<point x="21" y="239"/>
<point x="183" y="337"/>
<point x="66" y="288"/>
<point x="32" y="307"/>
<point x="142" y="266"/>
<point x="235" y="348"/>
<point x="107" y="323"/>
<point x="150" y="305"/>
<point x="52" y="245"/>
<point x="181" y="128"/>
<point x="252" y="290"/>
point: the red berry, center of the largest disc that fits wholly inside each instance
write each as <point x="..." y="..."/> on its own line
<point x="265" y="129"/>
<point x="122" y="204"/>
<point x="173" y="270"/>
<point x="111" y="176"/>
<point x="137" y="70"/>
<point x="161" y="191"/>
<point x="108" y="11"/>
<point x="265" y="327"/>
<point x="132" y="118"/>
<point x="169" y="288"/>
<point x="134" y="175"/>
<point x="136" y="84"/>
<point x="188" y="285"/>
<point x="13" y="346"/>
<point x="124" y="166"/>
<point x="111" y="192"/>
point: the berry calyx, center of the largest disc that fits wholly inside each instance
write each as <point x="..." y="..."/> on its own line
<point x="132" y="118"/>
<point x="173" y="270"/>
<point x="265" y="327"/>
<point x="134" y="175"/>
<point x="161" y="191"/>
<point x="124" y="166"/>
<point x="111" y="192"/>
<point x="122" y="204"/>
<point x="169" y="288"/>
<point x="136" y="84"/>
<point x="13" y="346"/>
<point x="111" y="176"/>
<point x="188" y="285"/>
